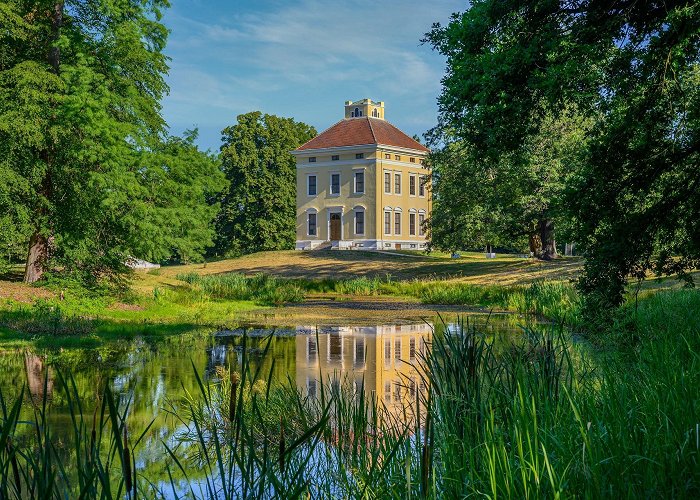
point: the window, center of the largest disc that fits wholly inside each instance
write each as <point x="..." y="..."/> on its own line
<point x="359" y="156"/>
<point x="311" y="348"/>
<point x="335" y="347"/>
<point x="387" y="156"/>
<point x="312" y="224"/>
<point x="397" y="157"/>
<point x="412" y="349"/>
<point x="412" y="224"/>
<point x="412" y="185"/>
<point x="311" y="185"/>
<point x="421" y="186"/>
<point x="359" y="182"/>
<point x="397" y="392"/>
<point x="359" y="222"/>
<point x="311" y="388"/>
<point x="359" y="352"/>
<point x="387" y="182"/>
<point x="375" y="113"/>
<point x="335" y="157"/>
<point x="387" y="222"/>
<point x="312" y="159"/>
<point x="422" y="161"/>
<point x="387" y="352"/>
<point x="412" y="160"/>
<point x="421" y="220"/>
<point x="335" y="184"/>
<point x="387" y="391"/>
<point x="397" y="223"/>
<point x="397" y="349"/>
<point x="397" y="183"/>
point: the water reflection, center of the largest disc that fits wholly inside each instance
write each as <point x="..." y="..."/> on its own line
<point x="382" y="360"/>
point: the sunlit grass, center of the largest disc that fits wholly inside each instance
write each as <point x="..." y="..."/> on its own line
<point x="543" y="418"/>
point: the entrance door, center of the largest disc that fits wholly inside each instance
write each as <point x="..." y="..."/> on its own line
<point x="335" y="226"/>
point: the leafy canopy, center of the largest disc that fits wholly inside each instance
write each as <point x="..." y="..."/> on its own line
<point x="632" y="68"/>
<point x="259" y="210"/>
<point x="88" y="175"/>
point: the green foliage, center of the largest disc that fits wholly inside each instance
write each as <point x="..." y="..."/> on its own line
<point x="543" y="417"/>
<point x="45" y="318"/>
<point x="86" y="169"/>
<point x="633" y="71"/>
<point x="258" y="212"/>
<point x="266" y="290"/>
<point x="514" y="201"/>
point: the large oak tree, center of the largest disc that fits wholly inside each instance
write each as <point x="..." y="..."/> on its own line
<point x="258" y="212"/>
<point x="85" y="163"/>
<point x="630" y="66"/>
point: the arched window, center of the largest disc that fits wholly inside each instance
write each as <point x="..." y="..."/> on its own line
<point x="357" y="112"/>
<point x="375" y="113"/>
<point x="421" y="222"/>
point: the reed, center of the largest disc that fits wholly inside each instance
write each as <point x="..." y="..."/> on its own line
<point x="263" y="289"/>
<point x="542" y="418"/>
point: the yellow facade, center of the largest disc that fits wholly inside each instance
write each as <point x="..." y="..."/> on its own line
<point x="392" y="213"/>
<point x="383" y="360"/>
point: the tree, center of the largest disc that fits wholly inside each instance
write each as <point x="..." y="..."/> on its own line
<point x="258" y="212"/>
<point x="81" y="132"/>
<point x="630" y="67"/>
<point x="514" y="200"/>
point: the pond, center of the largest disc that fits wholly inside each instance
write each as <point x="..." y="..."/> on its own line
<point x="155" y="375"/>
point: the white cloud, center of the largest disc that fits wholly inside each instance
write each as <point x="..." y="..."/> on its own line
<point x="258" y="58"/>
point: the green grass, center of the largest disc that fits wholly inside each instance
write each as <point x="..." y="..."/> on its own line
<point x="262" y="289"/>
<point x="542" y="418"/>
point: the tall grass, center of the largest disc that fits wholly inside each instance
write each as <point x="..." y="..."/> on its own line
<point x="554" y="300"/>
<point x="266" y="290"/>
<point x="538" y="419"/>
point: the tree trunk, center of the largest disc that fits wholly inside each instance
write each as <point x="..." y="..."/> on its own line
<point x="549" y="246"/>
<point x="38" y="254"/>
<point x="56" y="23"/>
<point x="535" y="245"/>
<point x="37" y="257"/>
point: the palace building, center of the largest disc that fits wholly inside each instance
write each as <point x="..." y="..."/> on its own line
<point x="362" y="184"/>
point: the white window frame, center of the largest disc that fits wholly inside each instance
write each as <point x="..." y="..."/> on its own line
<point x="328" y="347"/>
<point x="387" y="172"/>
<point x="308" y="344"/>
<point x="308" y="184"/>
<point x="399" y="212"/>
<point x="397" y="175"/>
<point x="421" y="229"/>
<point x="355" y="211"/>
<point x="310" y="212"/>
<point x="359" y="362"/>
<point x="387" y="212"/>
<point x="354" y="181"/>
<point x="414" y="178"/>
<point x="330" y="184"/>
<point x="422" y="182"/>
<point x="412" y="215"/>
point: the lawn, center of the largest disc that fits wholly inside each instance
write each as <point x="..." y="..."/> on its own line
<point x="470" y="267"/>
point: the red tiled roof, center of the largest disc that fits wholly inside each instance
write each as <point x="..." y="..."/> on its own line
<point x="360" y="131"/>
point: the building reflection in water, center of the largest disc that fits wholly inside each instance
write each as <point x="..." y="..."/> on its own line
<point x="385" y="358"/>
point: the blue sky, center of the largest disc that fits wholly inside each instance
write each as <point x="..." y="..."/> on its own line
<point x="301" y="59"/>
